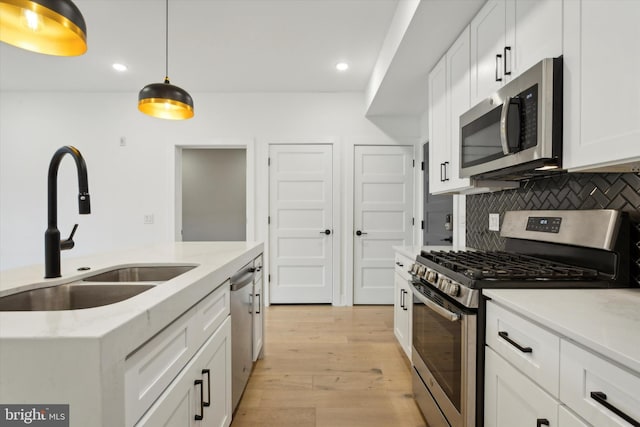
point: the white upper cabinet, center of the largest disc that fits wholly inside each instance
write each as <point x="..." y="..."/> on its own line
<point x="510" y="36"/>
<point x="448" y="99"/>
<point x="602" y="85"/>
<point x="488" y="40"/>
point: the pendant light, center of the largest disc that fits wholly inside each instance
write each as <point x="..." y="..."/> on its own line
<point x="164" y="100"/>
<point x="52" y="27"/>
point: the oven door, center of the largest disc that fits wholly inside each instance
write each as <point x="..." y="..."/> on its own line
<point x="444" y="354"/>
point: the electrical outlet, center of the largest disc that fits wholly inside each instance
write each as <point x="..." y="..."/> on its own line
<point x="148" y="219"/>
<point x="494" y="222"/>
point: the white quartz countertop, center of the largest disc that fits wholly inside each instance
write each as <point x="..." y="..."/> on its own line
<point x="604" y="320"/>
<point x="129" y="320"/>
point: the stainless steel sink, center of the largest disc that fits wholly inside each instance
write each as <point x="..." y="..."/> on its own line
<point x="158" y="273"/>
<point x="70" y="296"/>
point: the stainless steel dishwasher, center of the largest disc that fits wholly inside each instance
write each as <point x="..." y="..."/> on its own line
<point x="241" y="330"/>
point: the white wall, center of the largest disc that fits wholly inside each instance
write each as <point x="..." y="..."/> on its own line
<point x="127" y="182"/>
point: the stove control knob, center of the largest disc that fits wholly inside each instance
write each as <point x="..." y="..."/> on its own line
<point x="432" y="276"/>
<point x="443" y="284"/>
<point x="453" y="289"/>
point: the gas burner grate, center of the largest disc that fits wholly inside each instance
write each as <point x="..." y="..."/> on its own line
<point x="498" y="265"/>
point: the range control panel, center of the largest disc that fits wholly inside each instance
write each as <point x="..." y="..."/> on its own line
<point x="544" y="224"/>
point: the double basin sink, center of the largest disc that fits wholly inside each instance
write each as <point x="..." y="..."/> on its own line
<point x="97" y="290"/>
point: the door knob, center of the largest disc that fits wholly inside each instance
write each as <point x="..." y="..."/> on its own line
<point x="360" y="233"/>
<point x="327" y="232"/>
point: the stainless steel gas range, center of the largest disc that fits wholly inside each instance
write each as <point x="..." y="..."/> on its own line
<point x="544" y="249"/>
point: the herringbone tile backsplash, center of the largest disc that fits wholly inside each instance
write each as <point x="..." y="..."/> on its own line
<point x="566" y="191"/>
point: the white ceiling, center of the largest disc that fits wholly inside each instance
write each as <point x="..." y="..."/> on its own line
<point x="214" y="45"/>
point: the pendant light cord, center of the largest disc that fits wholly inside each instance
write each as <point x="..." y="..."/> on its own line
<point x="166" y="42"/>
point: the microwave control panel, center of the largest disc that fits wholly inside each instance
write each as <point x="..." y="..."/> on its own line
<point x="544" y="224"/>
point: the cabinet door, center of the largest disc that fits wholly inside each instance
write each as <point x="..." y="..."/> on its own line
<point x="401" y="320"/>
<point x="439" y="147"/>
<point x="458" y="91"/>
<point x="181" y="401"/>
<point x="602" y="88"/>
<point x="596" y="389"/>
<point x="511" y="399"/>
<point x="534" y="32"/>
<point x="569" y="419"/>
<point x="488" y="33"/>
<point x="258" y="317"/>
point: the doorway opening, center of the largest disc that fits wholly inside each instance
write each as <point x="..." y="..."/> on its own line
<point x="214" y="194"/>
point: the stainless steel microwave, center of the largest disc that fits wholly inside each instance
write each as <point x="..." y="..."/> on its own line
<point x="517" y="132"/>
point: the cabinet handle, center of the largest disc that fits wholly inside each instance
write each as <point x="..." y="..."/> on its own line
<point x="399" y="264"/>
<point x="505" y="336"/>
<point x="402" y="298"/>
<point x="404" y="301"/>
<point x="446" y="167"/>
<point x="207" y="372"/>
<point x="259" y="303"/>
<point x="507" y="49"/>
<point x="542" y="422"/>
<point x="442" y="172"/>
<point x="601" y="398"/>
<point x="201" y="416"/>
<point x="498" y="57"/>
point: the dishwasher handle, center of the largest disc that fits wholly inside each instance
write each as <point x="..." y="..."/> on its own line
<point x="242" y="279"/>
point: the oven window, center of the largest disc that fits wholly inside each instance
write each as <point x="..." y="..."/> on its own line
<point x="438" y="342"/>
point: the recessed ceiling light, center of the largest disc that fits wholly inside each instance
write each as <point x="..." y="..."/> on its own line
<point x="119" y="67"/>
<point x="342" y="66"/>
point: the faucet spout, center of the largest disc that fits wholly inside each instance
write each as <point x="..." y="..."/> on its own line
<point x="52" y="244"/>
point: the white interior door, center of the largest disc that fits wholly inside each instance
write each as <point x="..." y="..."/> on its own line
<point x="301" y="230"/>
<point x="383" y="216"/>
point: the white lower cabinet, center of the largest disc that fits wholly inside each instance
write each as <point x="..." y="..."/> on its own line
<point x="569" y="419"/>
<point x="512" y="399"/>
<point x="159" y="378"/>
<point x="201" y="394"/>
<point x="600" y="391"/>
<point x="535" y="376"/>
<point x="402" y="303"/>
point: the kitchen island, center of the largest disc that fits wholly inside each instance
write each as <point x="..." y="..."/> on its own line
<point x="110" y="363"/>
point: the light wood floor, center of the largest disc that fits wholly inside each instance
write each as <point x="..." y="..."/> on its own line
<point x="329" y="366"/>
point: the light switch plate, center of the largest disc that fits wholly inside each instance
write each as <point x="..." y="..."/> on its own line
<point x="494" y="222"/>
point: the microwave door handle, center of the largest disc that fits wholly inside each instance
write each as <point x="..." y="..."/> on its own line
<point x="453" y="317"/>
<point x="504" y="116"/>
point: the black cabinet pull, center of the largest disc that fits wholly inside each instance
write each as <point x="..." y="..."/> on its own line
<point x="507" y="49"/>
<point x="402" y="298"/>
<point x="505" y="336"/>
<point x="404" y="301"/>
<point x="399" y="264"/>
<point x="446" y="175"/>
<point x="201" y="416"/>
<point x="207" y="372"/>
<point x="542" y="422"/>
<point x="498" y="57"/>
<point x="259" y="303"/>
<point x="360" y="233"/>
<point x="327" y="232"/>
<point x="442" y="172"/>
<point x="601" y="398"/>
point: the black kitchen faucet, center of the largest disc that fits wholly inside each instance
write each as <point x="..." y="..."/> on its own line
<point x="52" y="243"/>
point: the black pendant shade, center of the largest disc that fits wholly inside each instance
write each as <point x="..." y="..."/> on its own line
<point x="52" y="27"/>
<point x="165" y="101"/>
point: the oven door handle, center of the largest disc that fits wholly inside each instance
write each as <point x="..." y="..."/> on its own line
<point x="449" y="315"/>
